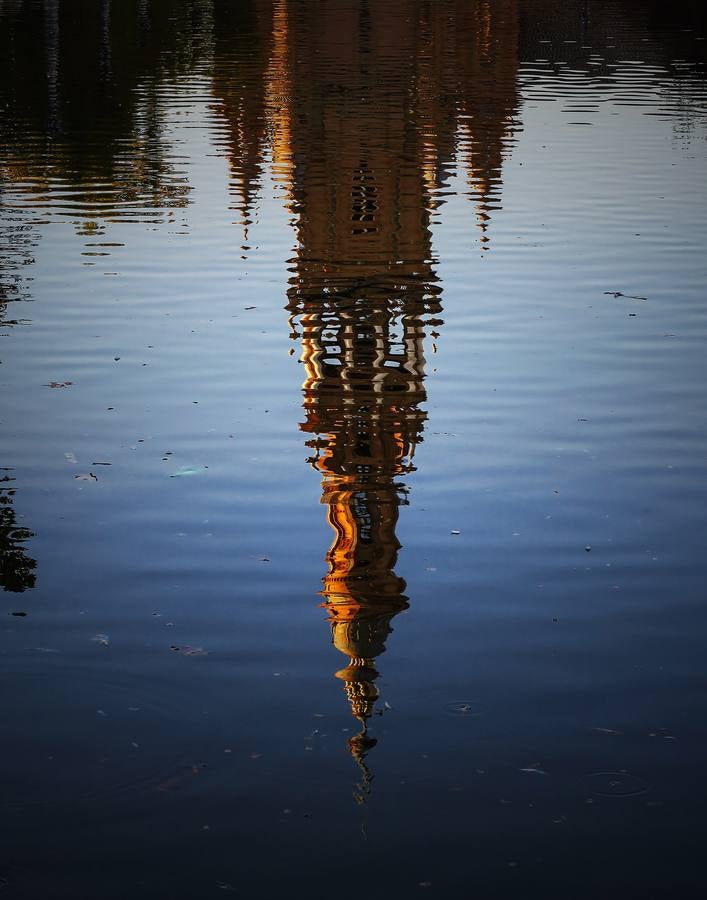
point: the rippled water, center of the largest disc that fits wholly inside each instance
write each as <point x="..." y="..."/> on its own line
<point x="352" y="523"/>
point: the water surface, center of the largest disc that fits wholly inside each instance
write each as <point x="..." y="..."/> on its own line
<point x="352" y="523"/>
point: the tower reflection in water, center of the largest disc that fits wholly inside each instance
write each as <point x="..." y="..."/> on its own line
<point x="362" y="295"/>
<point x="372" y="108"/>
<point x="363" y="357"/>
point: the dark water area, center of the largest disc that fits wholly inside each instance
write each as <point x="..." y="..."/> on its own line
<point x="354" y="441"/>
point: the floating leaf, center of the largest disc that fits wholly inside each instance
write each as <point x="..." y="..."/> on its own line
<point x="188" y="651"/>
<point x="188" y="470"/>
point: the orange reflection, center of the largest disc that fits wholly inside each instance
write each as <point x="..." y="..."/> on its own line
<point x="370" y="110"/>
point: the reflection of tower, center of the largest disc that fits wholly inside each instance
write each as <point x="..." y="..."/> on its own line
<point x="370" y="107"/>
<point x="362" y="353"/>
<point x="361" y="293"/>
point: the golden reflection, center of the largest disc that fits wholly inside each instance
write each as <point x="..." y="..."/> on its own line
<point x="369" y="110"/>
<point x="364" y="370"/>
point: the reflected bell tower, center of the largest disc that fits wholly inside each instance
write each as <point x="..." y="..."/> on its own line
<point x="361" y="295"/>
<point x="362" y="352"/>
<point x="371" y="110"/>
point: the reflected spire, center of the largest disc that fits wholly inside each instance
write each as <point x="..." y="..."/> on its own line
<point x="362" y="351"/>
<point x="243" y="46"/>
<point x="278" y="99"/>
<point x="488" y="99"/>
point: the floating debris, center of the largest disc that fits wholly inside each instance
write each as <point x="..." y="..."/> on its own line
<point x="187" y="650"/>
<point x="462" y="707"/>
<point x="183" y="471"/>
<point x="86" y="476"/>
<point x="616" y="784"/>
<point x="59" y="384"/>
<point x="617" y="294"/>
<point x="101" y="639"/>
<point x="20" y="615"/>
